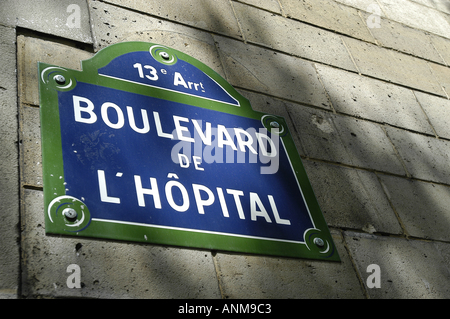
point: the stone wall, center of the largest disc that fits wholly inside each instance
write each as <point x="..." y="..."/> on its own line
<point x="364" y="87"/>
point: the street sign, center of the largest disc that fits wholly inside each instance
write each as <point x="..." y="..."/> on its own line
<point x="147" y="144"/>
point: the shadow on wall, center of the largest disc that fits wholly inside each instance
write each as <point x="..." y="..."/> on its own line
<point x="363" y="198"/>
<point x="251" y="68"/>
<point x="447" y="4"/>
<point x="350" y="198"/>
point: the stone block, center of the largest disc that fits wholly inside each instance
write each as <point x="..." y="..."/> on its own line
<point x="329" y="15"/>
<point x="442" y="45"/>
<point x="393" y="66"/>
<point x="409" y="269"/>
<point x="8" y="87"/>
<point x="351" y="198"/>
<point x="417" y="16"/>
<point x="269" y="105"/>
<point x="425" y="157"/>
<point x="422" y="207"/>
<point x="216" y="16"/>
<point x="269" y="5"/>
<point x="132" y="26"/>
<point x="108" y="269"/>
<point x="364" y="5"/>
<point x="33" y="50"/>
<point x="292" y="37"/>
<point x="442" y="74"/>
<point x="9" y="167"/>
<point x="441" y="5"/>
<point x="30" y="147"/>
<point x="250" y="67"/>
<point x="371" y="99"/>
<point x="342" y="139"/>
<point x="259" y="277"/>
<point x="317" y="134"/>
<point x="8" y="294"/>
<point x="367" y="145"/>
<point x="436" y="109"/>
<point x="65" y="18"/>
<point x="402" y="38"/>
<point x="266" y="104"/>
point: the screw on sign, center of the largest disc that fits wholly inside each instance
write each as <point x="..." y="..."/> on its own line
<point x="319" y="242"/>
<point x="60" y="79"/>
<point x="70" y="213"/>
<point x="274" y="124"/>
<point x="165" y="55"/>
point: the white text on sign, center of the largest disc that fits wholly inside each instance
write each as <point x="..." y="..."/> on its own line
<point x="250" y="140"/>
<point x="151" y="73"/>
<point x="203" y="197"/>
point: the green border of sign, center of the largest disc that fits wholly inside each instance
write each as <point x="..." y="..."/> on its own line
<point x="53" y="172"/>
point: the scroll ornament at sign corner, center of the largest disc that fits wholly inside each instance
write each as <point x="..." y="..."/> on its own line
<point x="147" y="144"/>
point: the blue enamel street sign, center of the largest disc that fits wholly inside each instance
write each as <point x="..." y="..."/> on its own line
<point x="148" y="144"/>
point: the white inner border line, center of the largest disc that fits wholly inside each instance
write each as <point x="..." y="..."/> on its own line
<point x="170" y="90"/>
<point x="194" y="230"/>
